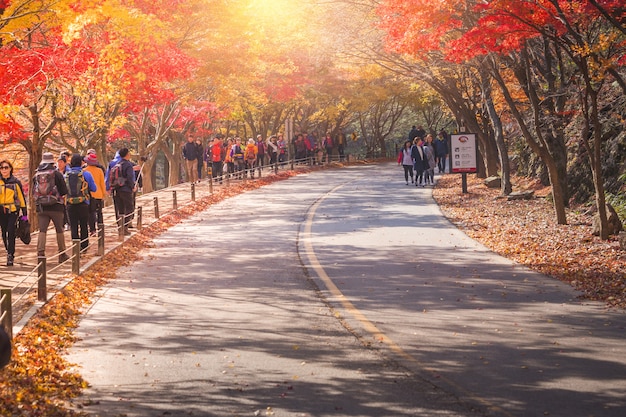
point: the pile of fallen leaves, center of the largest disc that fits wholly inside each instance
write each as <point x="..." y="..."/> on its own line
<point x="39" y="381"/>
<point x="526" y="232"/>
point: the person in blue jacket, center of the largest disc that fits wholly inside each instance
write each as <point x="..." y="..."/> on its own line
<point x="123" y="194"/>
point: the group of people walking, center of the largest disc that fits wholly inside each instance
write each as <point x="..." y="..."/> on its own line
<point x="231" y="156"/>
<point x="320" y="148"/>
<point x="234" y="156"/>
<point x="70" y="189"/>
<point x="420" y="155"/>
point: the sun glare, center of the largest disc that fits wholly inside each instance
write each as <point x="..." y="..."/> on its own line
<point x="269" y="10"/>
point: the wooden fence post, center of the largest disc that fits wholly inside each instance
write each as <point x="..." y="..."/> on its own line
<point x="6" y="311"/>
<point x="100" y="251"/>
<point x="76" y="256"/>
<point x="42" y="278"/>
<point x="139" y="217"/>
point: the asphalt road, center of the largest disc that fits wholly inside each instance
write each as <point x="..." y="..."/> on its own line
<point x="343" y="293"/>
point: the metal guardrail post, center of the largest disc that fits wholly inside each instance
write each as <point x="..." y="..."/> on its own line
<point x="42" y="279"/>
<point x="6" y="311"/>
<point x="156" y="208"/>
<point x="193" y="191"/>
<point x="139" y="218"/>
<point x="292" y="162"/>
<point x="210" y="185"/>
<point x="75" y="256"/>
<point x="174" y="200"/>
<point x="100" y="251"/>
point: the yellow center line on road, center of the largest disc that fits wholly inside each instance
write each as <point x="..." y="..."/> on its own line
<point x="370" y="327"/>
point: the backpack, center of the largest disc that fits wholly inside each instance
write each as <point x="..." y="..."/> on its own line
<point x="216" y="152"/>
<point x="250" y="153"/>
<point x="116" y="179"/>
<point x="45" y="192"/>
<point x="236" y="152"/>
<point x="77" y="187"/>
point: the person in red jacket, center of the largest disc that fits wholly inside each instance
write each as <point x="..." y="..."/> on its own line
<point x="217" y="163"/>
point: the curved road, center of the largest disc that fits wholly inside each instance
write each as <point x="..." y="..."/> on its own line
<point x="345" y="293"/>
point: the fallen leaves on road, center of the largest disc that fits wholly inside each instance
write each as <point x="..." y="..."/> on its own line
<point x="526" y="232"/>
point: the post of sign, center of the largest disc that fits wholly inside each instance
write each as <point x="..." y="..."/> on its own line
<point x="463" y="155"/>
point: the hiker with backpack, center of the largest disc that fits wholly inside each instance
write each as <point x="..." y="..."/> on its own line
<point x="200" y="160"/>
<point x="215" y="151"/>
<point x="236" y="153"/>
<point x="250" y="157"/>
<point x="261" y="147"/>
<point x="328" y="147"/>
<point x="228" y="158"/>
<point x="121" y="183"/>
<point x="80" y="185"/>
<point x="49" y="191"/>
<point x="190" y="154"/>
<point x="96" y="202"/>
<point x="272" y="150"/>
<point x="282" y="149"/>
<point x="62" y="167"/>
<point x="11" y="201"/>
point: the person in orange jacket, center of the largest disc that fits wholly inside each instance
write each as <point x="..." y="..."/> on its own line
<point x="96" y="204"/>
<point x="250" y="156"/>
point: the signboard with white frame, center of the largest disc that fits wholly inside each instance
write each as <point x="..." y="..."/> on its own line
<point x="463" y="153"/>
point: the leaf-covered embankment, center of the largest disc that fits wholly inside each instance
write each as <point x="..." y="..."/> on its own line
<point x="526" y="232"/>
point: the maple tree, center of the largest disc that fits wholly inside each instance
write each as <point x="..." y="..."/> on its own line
<point x="541" y="41"/>
<point x="573" y="30"/>
<point x="87" y="65"/>
<point x="379" y="107"/>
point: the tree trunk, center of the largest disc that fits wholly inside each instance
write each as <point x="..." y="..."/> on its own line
<point x="505" y="167"/>
<point x="553" y="171"/>
<point x="496" y="124"/>
<point x="595" y="157"/>
<point x="558" y="193"/>
<point x="146" y="175"/>
<point x="175" y="158"/>
<point x="35" y="152"/>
